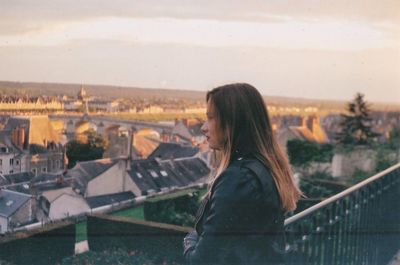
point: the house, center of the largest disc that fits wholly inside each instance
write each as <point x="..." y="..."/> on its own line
<point x="151" y="176"/>
<point x="15" y="210"/>
<point x="309" y="130"/>
<point x="188" y="131"/>
<point x="31" y="144"/>
<point x="18" y="178"/>
<point x="99" y="177"/>
<point x="58" y="206"/>
<point x="173" y="150"/>
<point x="102" y="200"/>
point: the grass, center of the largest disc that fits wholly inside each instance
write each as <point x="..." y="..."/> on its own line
<point x="136" y="213"/>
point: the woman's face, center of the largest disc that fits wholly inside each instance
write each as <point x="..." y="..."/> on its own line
<point x="211" y="128"/>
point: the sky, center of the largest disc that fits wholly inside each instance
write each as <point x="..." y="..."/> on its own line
<point x="328" y="49"/>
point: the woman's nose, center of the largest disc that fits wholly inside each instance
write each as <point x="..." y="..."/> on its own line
<point x="204" y="128"/>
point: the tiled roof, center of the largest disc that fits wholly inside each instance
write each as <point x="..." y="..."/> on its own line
<point x="40" y="187"/>
<point x="11" y="201"/>
<point x="45" y="177"/>
<point x="97" y="201"/>
<point x="195" y="130"/>
<point x="37" y="128"/>
<point x="303" y="132"/>
<point x="83" y="172"/>
<point x="172" y="150"/>
<point x="96" y="167"/>
<point x="19" y="177"/>
<point x="3" y="181"/>
<point x="151" y="175"/>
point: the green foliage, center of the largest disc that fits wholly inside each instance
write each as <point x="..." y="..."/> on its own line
<point x="321" y="175"/>
<point x="178" y="211"/>
<point x="393" y="143"/>
<point x="314" y="190"/>
<point x="360" y="175"/>
<point x="135" y="213"/>
<point x="386" y="156"/>
<point x="93" y="148"/>
<point x="302" y="153"/>
<point x="356" y="125"/>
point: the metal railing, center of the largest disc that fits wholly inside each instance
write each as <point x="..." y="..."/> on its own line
<point x="360" y="225"/>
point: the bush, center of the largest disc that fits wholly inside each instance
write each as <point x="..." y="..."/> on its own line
<point x="302" y="153"/>
<point x="177" y="211"/>
<point x="112" y="256"/>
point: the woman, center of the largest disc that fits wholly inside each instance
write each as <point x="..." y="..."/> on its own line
<point x="241" y="218"/>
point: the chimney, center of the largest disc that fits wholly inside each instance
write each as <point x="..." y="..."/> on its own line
<point x="21" y="137"/>
<point x="14" y="136"/>
<point x="311" y="123"/>
<point x="304" y="121"/>
<point x="131" y="142"/>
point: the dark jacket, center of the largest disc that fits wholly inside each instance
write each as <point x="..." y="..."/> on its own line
<point x="241" y="222"/>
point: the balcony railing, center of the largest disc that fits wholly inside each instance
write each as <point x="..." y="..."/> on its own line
<point x="360" y="225"/>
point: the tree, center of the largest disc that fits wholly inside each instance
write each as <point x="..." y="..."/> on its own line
<point x="356" y="128"/>
<point x="90" y="149"/>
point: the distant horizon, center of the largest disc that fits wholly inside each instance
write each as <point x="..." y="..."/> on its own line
<point x="200" y="91"/>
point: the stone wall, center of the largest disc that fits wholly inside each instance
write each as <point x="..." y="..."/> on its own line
<point x="344" y="164"/>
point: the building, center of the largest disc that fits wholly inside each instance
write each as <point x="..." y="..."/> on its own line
<point x="29" y="143"/>
<point x="15" y="210"/>
<point x="309" y="130"/>
<point x="187" y="131"/>
<point x="151" y="176"/>
<point x="166" y="151"/>
<point x="24" y="103"/>
<point x="104" y="105"/>
<point x="99" y="177"/>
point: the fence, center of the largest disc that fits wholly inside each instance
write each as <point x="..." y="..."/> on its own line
<point x="357" y="226"/>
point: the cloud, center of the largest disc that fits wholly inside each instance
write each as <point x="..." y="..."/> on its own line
<point x="289" y="34"/>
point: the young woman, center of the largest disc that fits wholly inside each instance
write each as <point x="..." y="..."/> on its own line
<point x="241" y="218"/>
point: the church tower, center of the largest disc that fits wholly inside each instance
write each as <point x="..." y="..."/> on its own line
<point x="83" y="96"/>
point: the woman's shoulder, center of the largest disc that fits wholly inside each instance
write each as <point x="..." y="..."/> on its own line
<point x="251" y="171"/>
<point x="240" y="175"/>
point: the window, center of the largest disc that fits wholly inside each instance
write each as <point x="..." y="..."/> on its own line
<point x="164" y="173"/>
<point x="44" y="169"/>
<point x="57" y="164"/>
<point x="153" y="173"/>
<point x="139" y="175"/>
<point x="11" y="171"/>
<point x="17" y="162"/>
<point x="1" y="162"/>
<point x="34" y="171"/>
<point x="11" y="161"/>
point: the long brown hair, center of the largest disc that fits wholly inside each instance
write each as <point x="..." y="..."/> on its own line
<point x="244" y="121"/>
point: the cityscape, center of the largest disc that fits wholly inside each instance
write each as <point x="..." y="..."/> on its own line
<point x="63" y="157"/>
<point x="102" y="155"/>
